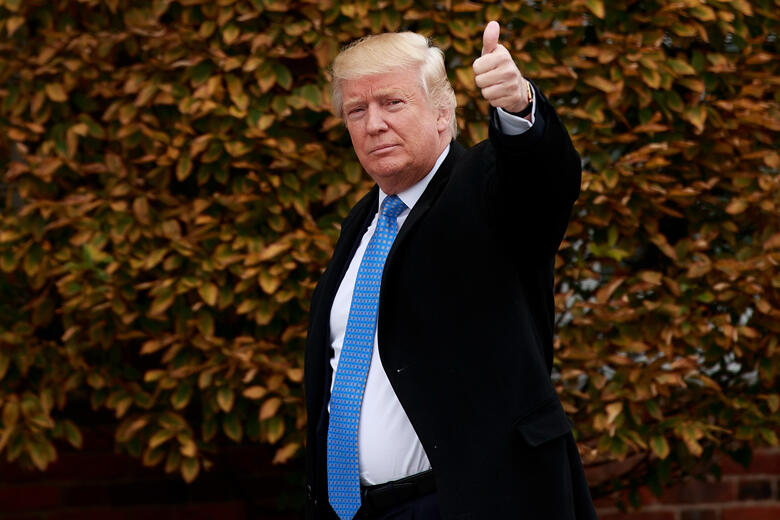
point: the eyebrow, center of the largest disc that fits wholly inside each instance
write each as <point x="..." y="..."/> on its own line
<point x="379" y="94"/>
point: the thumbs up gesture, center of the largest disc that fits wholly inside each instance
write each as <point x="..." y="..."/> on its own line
<point x="496" y="74"/>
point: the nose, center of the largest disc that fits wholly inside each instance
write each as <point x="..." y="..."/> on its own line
<point x="375" y="121"/>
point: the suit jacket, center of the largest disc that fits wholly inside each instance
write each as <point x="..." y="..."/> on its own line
<point x="465" y="328"/>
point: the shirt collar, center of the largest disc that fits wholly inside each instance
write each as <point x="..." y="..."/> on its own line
<point x="411" y="195"/>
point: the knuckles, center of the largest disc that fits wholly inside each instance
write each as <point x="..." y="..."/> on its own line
<point x="498" y="78"/>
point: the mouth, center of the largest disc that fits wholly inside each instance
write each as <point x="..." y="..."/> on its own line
<point x="383" y="148"/>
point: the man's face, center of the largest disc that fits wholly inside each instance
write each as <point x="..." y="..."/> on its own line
<point x="395" y="131"/>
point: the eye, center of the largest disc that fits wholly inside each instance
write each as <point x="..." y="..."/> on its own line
<point x="354" y="112"/>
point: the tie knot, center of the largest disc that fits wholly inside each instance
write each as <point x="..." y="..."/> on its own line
<point x="392" y="206"/>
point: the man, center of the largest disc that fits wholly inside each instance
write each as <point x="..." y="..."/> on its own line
<point x="430" y="340"/>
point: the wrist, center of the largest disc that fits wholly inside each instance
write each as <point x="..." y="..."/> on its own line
<point x="525" y="110"/>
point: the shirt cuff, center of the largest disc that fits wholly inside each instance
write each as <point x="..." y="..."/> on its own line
<point x="516" y="125"/>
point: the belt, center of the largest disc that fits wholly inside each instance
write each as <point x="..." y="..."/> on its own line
<point x="381" y="497"/>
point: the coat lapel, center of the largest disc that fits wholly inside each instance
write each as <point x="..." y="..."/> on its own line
<point x="428" y="197"/>
<point x="354" y="226"/>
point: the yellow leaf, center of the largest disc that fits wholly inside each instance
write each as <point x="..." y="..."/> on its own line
<point x="199" y="144"/>
<point x="153" y="345"/>
<point x="10" y="414"/>
<point x="596" y="7"/>
<point x="773" y="400"/>
<point x="285" y="453"/>
<point x="274" y="249"/>
<point x="295" y="375"/>
<point x="269" y="408"/>
<point x="141" y="210"/>
<point x="208" y="292"/>
<point x="13" y="23"/>
<point x="268" y="282"/>
<point x="153" y="375"/>
<point x="696" y="116"/>
<point x="651" y="277"/>
<point x="189" y="448"/>
<point x="690" y="436"/>
<point x="601" y="83"/>
<point x="772" y="242"/>
<point x="743" y="6"/>
<point x="465" y="76"/>
<point x="56" y="92"/>
<point x="651" y="77"/>
<point x="254" y="392"/>
<point x="161" y="304"/>
<point x="736" y="206"/>
<point x="613" y="410"/>
<point x="703" y="13"/>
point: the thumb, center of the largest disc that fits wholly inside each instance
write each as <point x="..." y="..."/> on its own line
<point x="490" y="37"/>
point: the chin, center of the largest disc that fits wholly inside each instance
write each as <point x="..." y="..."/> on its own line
<point x="384" y="171"/>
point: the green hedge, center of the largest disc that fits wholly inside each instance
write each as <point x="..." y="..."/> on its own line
<point x="173" y="182"/>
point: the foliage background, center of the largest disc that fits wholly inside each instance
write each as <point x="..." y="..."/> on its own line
<point x="173" y="182"/>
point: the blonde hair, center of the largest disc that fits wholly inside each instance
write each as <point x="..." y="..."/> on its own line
<point x="382" y="53"/>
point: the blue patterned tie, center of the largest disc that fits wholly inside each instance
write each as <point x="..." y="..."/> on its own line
<point x="347" y="394"/>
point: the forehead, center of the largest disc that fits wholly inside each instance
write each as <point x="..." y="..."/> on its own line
<point x="404" y="82"/>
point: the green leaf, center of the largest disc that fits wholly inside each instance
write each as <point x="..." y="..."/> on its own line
<point x="73" y="434"/>
<point x="660" y="446"/>
<point x="189" y="469"/>
<point x="274" y="428"/>
<point x="5" y="362"/>
<point x="12" y="5"/>
<point x="160" y="437"/>
<point x="225" y="398"/>
<point x="283" y="76"/>
<point x="181" y="397"/>
<point x="679" y="66"/>
<point x="232" y="427"/>
<point x="313" y="95"/>
<point x="183" y="166"/>
<point x="230" y="33"/>
<point x="206" y="322"/>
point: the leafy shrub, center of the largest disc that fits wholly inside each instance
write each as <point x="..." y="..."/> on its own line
<point x="173" y="183"/>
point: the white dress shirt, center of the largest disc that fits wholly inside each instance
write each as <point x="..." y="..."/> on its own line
<point x="388" y="446"/>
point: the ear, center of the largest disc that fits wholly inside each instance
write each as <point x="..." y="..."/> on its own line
<point x="443" y="120"/>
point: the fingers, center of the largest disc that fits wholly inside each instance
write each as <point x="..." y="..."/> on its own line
<point x="495" y="60"/>
<point x="496" y="74"/>
<point x="490" y="37"/>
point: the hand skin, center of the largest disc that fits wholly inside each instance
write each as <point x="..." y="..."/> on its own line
<point x="496" y="74"/>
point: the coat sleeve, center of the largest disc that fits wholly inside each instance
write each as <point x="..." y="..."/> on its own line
<point x="535" y="182"/>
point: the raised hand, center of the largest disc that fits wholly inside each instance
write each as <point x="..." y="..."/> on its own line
<point x="496" y="74"/>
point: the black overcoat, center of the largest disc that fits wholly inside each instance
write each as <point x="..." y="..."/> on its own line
<point x="465" y="329"/>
